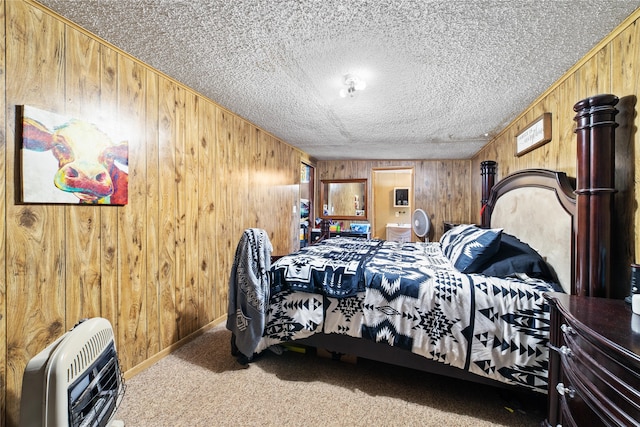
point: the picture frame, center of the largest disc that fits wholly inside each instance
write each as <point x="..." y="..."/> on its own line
<point x="68" y="160"/>
<point x="536" y="134"/>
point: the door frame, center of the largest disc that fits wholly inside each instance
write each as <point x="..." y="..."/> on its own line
<point x="390" y="169"/>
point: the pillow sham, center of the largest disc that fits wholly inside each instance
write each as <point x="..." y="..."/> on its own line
<point x="514" y="256"/>
<point x="469" y="246"/>
<point x="448" y="236"/>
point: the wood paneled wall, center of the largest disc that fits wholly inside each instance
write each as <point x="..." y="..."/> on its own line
<point x="612" y="67"/>
<point x="441" y="187"/>
<point x="158" y="267"/>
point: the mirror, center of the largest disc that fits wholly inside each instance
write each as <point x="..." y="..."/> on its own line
<point x="344" y="199"/>
<point x="400" y="197"/>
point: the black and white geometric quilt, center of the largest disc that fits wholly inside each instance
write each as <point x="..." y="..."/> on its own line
<point x="414" y="299"/>
<point x="332" y="268"/>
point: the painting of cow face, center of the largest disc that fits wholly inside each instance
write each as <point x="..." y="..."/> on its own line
<point x="67" y="160"/>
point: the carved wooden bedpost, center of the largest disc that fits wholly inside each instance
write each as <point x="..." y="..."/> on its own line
<point x="488" y="172"/>
<point x="595" y="129"/>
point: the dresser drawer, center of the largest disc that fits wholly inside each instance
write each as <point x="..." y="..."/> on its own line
<point x="588" y="397"/>
<point x="617" y="363"/>
<point x="576" y="413"/>
<point x="603" y="379"/>
<point x="594" y="363"/>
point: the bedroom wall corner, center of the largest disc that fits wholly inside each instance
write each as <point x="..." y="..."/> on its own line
<point x="613" y="66"/>
<point x="441" y="187"/>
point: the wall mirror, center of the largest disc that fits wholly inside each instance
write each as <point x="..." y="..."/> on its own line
<point x="344" y="199"/>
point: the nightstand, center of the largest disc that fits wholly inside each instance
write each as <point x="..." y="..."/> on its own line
<point x="594" y="362"/>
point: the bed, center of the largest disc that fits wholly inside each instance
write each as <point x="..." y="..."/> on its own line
<point x="471" y="305"/>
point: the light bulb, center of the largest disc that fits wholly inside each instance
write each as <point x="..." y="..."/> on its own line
<point x="353" y="84"/>
<point x="359" y="84"/>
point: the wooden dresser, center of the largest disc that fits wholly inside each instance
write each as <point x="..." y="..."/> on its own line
<point x="594" y="362"/>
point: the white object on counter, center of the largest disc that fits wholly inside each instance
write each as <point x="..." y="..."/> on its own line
<point x="635" y="303"/>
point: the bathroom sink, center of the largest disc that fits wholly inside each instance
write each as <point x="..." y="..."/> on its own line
<point x="399" y="232"/>
<point x="394" y="225"/>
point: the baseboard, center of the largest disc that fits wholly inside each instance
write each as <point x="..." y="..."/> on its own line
<point x="166" y="351"/>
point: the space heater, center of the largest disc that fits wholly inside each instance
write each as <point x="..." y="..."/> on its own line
<point x="76" y="381"/>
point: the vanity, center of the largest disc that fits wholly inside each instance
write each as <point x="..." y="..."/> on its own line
<point x="399" y="232"/>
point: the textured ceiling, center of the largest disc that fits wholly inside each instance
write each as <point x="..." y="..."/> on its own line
<point x="442" y="75"/>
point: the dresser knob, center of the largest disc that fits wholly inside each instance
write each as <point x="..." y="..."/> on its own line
<point x="568" y="391"/>
<point x="566" y="351"/>
<point x="563" y="350"/>
<point x="567" y="329"/>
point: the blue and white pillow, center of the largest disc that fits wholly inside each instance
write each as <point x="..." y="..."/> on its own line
<point x="468" y="247"/>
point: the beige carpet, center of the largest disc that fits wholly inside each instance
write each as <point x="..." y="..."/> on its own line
<point x="201" y="384"/>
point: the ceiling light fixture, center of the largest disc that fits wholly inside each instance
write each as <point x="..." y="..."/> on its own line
<point x="353" y="84"/>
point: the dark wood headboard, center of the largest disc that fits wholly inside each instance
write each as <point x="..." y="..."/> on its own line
<point x="538" y="206"/>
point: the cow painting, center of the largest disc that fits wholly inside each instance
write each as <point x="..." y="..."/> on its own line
<point x="66" y="160"/>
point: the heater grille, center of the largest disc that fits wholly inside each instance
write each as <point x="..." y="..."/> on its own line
<point x="76" y="381"/>
<point x="88" y="353"/>
<point x="95" y="394"/>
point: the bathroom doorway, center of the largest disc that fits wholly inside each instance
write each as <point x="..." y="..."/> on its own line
<point x="386" y="210"/>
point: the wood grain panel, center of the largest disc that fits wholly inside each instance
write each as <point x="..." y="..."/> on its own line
<point x="226" y="234"/>
<point x="82" y="81"/>
<point x="273" y="182"/>
<point x="257" y="180"/>
<point x="453" y="191"/>
<point x="167" y="189"/>
<point x="244" y="142"/>
<point x="152" y="214"/>
<point x="132" y="271"/>
<point x="191" y="192"/>
<point x="289" y="171"/>
<point x="625" y="81"/>
<point x="260" y="180"/>
<point x="179" y="131"/>
<point x="3" y="226"/>
<point x="35" y="234"/>
<point x="285" y="222"/>
<point x="208" y="269"/>
<point x="564" y="146"/>
<point x="109" y="229"/>
<point x="595" y="74"/>
<point x="425" y="194"/>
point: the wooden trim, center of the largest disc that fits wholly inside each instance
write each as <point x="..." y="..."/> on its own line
<point x="171" y="348"/>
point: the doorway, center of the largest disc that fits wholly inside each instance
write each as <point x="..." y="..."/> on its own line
<point x="306" y="203"/>
<point x="387" y="210"/>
